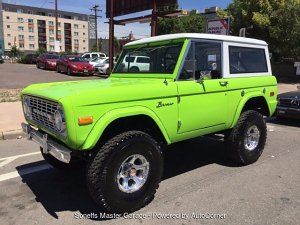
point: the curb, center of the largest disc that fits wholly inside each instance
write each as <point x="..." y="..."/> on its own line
<point x="11" y="134"/>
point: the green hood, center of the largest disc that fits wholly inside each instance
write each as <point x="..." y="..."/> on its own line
<point x="92" y="92"/>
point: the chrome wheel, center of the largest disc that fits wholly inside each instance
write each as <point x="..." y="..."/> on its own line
<point x="251" y="140"/>
<point x="133" y="173"/>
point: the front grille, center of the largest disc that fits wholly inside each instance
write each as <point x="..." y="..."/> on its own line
<point x="42" y="112"/>
<point x="289" y="102"/>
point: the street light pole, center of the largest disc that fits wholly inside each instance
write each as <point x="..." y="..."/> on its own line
<point x="95" y="9"/>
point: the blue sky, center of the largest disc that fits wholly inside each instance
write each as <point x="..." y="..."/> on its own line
<point x="139" y="30"/>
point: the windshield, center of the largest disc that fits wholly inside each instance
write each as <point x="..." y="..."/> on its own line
<point x="77" y="59"/>
<point x="52" y="56"/>
<point x="154" y="59"/>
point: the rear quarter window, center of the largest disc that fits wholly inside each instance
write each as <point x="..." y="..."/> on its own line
<point x="247" y="60"/>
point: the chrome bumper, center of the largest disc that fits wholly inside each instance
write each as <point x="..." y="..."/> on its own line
<point x="48" y="145"/>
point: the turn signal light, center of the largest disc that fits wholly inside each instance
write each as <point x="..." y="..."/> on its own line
<point x="272" y="93"/>
<point x="84" y="120"/>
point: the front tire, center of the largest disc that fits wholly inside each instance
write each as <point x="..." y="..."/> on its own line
<point x="246" y="141"/>
<point x="69" y="73"/>
<point x="125" y="173"/>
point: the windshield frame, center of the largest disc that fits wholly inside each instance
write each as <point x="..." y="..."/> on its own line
<point x="183" y="41"/>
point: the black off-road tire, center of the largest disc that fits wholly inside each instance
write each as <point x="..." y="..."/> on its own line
<point x="103" y="168"/>
<point x="74" y="163"/>
<point x="235" y="139"/>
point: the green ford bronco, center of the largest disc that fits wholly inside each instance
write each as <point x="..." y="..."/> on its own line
<point x="184" y="86"/>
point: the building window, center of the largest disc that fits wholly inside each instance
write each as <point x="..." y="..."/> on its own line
<point x="19" y="10"/>
<point x="51" y="39"/>
<point x="7" y="18"/>
<point x="51" y="32"/>
<point x="20" y="28"/>
<point x="31" y="38"/>
<point x="8" y="26"/>
<point x="9" y="44"/>
<point x="20" y="20"/>
<point x="59" y="32"/>
<point x="76" y="41"/>
<point x="30" y="30"/>
<point x="76" y="34"/>
<point x="51" y="23"/>
<point x="76" y="49"/>
<point x="75" y="26"/>
<point x="8" y="35"/>
<point x="30" y="21"/>
<point x="50" y="14"/>
<point x="75" y="18"/>
<point x="21" y="45"/>
<point x="31" y="46"/>
<point x="83" y="34"/>
<point x="58" y="24"/>
<point x="29" y="12"/>
<point x="51" y="47"/>
<point x="21" y="37"/>
<point x="83" y="26"/>
<point x="59" y="39"/>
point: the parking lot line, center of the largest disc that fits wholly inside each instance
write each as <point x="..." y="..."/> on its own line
<point x="20" y="173"/>
<point x="8" y="160"/>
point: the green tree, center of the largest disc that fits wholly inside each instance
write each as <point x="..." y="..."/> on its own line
<point x="193" y="23"/>
<point x="41" y="51"/>
<point x="14" y="51"/>
<point x="275" y="21"/>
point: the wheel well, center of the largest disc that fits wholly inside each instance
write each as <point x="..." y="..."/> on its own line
<point x="258" y="104"/>
<point x="139" y="122"/>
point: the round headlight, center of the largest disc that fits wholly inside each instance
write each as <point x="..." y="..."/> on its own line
<point x="59" y="120"/>
<point x="26" y="107"/>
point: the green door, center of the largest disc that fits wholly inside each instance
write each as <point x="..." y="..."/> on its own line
<point x="202" y="92"/>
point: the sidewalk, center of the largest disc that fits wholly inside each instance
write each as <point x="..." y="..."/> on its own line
<point x="11" y="115"/>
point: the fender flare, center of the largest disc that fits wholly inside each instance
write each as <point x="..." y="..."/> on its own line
<point x="243" y="102"/>
<point x="110" y="116"/>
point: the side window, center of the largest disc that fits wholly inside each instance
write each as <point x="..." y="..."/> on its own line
<point x="87" y="56"/>
<point x="102" y="55"/>
<point x="94" y="55"/>
<point x="247" y="60"/>
<point x="143" y="60"/>
<point x="208" y="60"/>
<point x="202" y="60"/>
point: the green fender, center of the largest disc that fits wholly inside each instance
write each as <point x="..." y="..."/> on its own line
<point x="112" y="115"/>
<point x="243" y="102"/>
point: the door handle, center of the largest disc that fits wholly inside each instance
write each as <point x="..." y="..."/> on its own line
<point x="223" y="83"/>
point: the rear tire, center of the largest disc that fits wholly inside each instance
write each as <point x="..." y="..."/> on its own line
<point x="246" y="141"/>
<point x="57" y="69"/>
<point x="115" y="181"/>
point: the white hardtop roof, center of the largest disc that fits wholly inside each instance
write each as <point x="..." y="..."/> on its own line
<point x="199" y="36"/>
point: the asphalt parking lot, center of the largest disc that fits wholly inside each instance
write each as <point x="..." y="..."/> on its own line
<point x="198" y="182"/>
<point x="14" y="76"/>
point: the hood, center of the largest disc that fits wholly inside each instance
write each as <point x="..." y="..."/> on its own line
<point x="93" y="92"/>
<point x="291" y="94"/>
<point x="81" y="64"/>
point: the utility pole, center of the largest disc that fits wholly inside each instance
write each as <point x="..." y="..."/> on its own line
<point x="154" y="19"/>
<point x="56" y="27"/>
<point x="111" y="36"/>
<point x="96" y="10"/>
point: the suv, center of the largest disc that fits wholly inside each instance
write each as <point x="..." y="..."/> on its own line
<point x="196" y="84"/>
<point x="136" y="63"/>
<point x="89" y="56"/>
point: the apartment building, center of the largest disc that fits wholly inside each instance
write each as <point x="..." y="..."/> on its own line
<point x="30" y="28"/>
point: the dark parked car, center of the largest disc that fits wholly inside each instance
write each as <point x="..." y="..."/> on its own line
<point x="30" y="59"/>
<point x="288" y="105"/>
<point x="74" y="65"/>
<point x="1" y="59"/>
<point x="47" y="61"/>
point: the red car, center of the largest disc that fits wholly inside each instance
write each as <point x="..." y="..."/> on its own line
<point x="74" y="65"/>
<point x="47" y="61"/>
